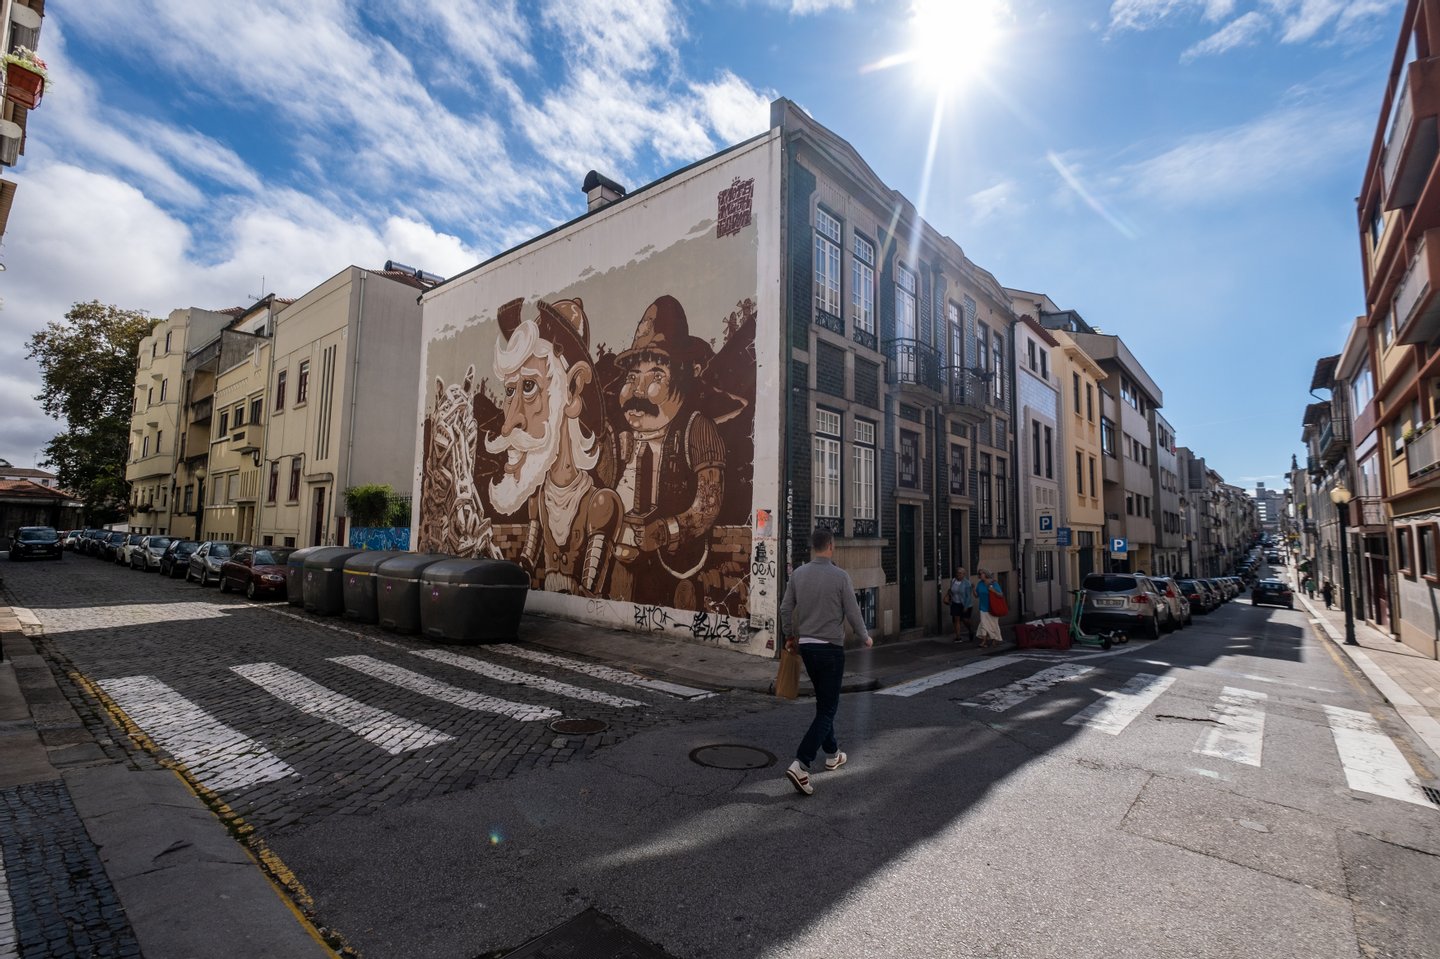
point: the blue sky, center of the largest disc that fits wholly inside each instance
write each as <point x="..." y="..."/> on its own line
<point x="1182" y="172"/>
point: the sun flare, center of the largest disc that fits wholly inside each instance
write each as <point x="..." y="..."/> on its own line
<point x="954" y="41"/>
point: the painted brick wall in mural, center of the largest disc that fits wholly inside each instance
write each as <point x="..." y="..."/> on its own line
<point x="600" y="433"/>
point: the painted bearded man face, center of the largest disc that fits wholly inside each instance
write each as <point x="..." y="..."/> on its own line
<point x="653" y="392"/>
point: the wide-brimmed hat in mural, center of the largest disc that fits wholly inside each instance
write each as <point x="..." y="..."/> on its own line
<point x="566" y="327"/>
<point x="664" y="330"/>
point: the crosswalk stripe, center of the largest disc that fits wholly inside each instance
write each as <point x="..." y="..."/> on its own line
<point x="1113" y="711"/>
<point x="1000" y="699"/>
<point x="215" y="754"/>
<point x="507" y="675"/>
<point x="916" y="686"/>
<point x="1240" y="737"/>
<point x="444" y="692"/>
<point x="600" y="671"/>
<point x="392" y="733"/>
<point x="1373" y="763"/>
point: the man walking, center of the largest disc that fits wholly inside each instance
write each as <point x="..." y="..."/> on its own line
<point x="961" y="593"/>
<point x="989" y="623"/>
<point x="1328" y="591"/>
<point x="819" y="601"/>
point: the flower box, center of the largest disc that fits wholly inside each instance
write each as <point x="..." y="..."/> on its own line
<point x="25" y="78"/>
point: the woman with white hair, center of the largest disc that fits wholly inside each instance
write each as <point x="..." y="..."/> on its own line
<point x="987" y="588"/>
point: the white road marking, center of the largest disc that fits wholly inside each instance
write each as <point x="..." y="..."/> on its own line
<point x="1241" y="738"/>
<point x="1373" y="763"/>
<point x="1221" y="671"/>
<point x="916" y="686"/>
<point x="600" y="671"/>
<point x="446" y="693"/>
<point x="506" y="675"/>
<point x="1113" y="711"/>
<point x="218" y="756"/>
<point x="9" y="942"/>
<point x="392" y="733"/>
<point x="1001" y="699"/>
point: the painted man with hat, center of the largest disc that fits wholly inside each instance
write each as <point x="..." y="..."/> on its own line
<point x="557" y="446"/>
<point x="672" y="463"/>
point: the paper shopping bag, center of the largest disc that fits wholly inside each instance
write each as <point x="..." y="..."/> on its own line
<point x="787" y="680"/>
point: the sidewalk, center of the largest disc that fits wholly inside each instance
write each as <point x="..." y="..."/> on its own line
<point x="1409" y="681"/>
<point x="99" y="857"/>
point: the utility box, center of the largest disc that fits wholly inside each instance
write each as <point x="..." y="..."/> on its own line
<point x="360" y="589"/>
<point x="397" y="590"/>
<point x="325" y="580"/>
<point x="473" y="600"/>
<point x="295" y="575"/>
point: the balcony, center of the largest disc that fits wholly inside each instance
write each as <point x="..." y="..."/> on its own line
<point x="1422" y="456"/>
<point x="1417" y="309"/>
<point x="202" y="410"/>
<point x="968" y="391"/>
<point x="1367" y="511"/>
<point x="1334" y="437"/>
<point x="912" y="364"/>
<point x="1411" y="147"/>
<point x="245" y="441"/>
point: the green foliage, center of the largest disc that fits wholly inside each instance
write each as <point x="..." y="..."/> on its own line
<point x="399" y="512"/>
<point x="369" y="505"/>
<point x="87" y="366"/>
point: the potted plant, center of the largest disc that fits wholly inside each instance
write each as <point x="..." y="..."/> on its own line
<point x="25" y="77"/>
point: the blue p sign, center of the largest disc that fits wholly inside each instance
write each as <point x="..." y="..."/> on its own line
<point x="1119" y="545"/>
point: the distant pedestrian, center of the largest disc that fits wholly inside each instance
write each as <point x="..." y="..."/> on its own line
<point x="961" y="593"/>
<point x="985" y="590"/>
<point x="819" y="601"/>
<point x="1328" y="591"/>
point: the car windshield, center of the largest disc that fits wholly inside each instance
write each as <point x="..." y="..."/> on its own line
<point x="1109" y="582"/>
<point x="38" y="535"/>
<point x="1188" y="584"/>
<point x="272" y="557"/>
<point x="220" y="550"/>
<point x="185" y="549"/>
<point x="159" y="542"/>
<point x="135" y="539"/>
<point x="117" y="537"/>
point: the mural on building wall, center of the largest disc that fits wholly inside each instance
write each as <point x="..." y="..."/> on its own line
<point x="601" y="434"/>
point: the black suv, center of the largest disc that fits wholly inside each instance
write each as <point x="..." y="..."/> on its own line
<point x="1272" y="591"/>
<point x="35" y="542"/>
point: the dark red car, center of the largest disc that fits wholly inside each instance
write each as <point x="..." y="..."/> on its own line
<point x="258" y="570"/>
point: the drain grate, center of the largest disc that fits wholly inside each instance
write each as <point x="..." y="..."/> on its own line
<point x="732" y="756"/>
<point x="1431" y="793"/>
<point x="578" y="727"/>
<point x="590" y="935"/>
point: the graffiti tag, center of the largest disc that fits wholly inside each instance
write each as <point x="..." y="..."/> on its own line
<point x="652" y="619"/>
<point x="708" y="627"/>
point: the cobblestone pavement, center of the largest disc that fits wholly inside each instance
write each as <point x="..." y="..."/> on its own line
<point x="291" y="718"/>
<point x="55" y="899"/>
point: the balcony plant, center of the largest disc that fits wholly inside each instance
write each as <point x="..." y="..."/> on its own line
<point x="25" y="77"/>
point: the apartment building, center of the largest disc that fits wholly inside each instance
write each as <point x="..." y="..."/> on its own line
<point x="1040" y="463"/>
<point x="1170" y="555"/>
<point x="24" y="86"/>
<point x="157" y="421"/>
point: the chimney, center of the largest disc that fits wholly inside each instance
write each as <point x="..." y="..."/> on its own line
<point x="601" y="190"/>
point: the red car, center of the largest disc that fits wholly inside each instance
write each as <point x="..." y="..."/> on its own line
<point x="258" y="570"/>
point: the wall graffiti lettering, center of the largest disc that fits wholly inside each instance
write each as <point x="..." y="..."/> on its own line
<point x="708" y="627"/>
<point x="733" y="207"/>
<point x="651" y="619"/>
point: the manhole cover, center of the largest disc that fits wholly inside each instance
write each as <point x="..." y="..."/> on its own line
<point x="590" y="935"/>
<point x="732" y="756"/>
<point x="578" y="727"/>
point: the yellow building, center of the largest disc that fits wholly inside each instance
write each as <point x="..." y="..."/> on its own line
<point x="1083" y="497"/>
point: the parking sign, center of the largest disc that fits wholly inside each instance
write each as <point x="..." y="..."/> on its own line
<point x="1047" y="522"/>
<point x="1119" y="545"/>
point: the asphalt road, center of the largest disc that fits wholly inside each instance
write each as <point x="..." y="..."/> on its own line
<point x="1231" y="790"/>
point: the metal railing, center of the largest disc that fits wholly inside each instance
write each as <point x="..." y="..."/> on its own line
<point x="1422" y="454"/>
<point x="965" y="387"/>
<point x="914" y="363"/>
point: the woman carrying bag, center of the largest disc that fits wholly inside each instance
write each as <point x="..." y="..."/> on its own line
<point x="961" y="596"/>
<point x="992" y="606"/>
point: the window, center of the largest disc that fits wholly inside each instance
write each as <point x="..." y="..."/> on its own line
<point x="164" y="388"/>
<point x="909" y="459"/>
<point x="189" y="497"/>
<point x="957" y="333"/>
<point x="1427" y="543"/>
<point x="1384" y="328"/>
<point x="1035" y="444"/>
<point x="1075" y="384"/>
<point x="152" y="350"/>
<point x="224" y="425"/>
<point x="144" y="447"/>
<point x="1001" y="522"/>
<point x="1044" y="365"/>
<point x="255" y="406"/>
<point x="159" y="440"/>
<point x="149" y="397"/>
<point x="1128" y="393"/>
<point x="1044" y="565"/>
<point x="827" y="263"/>
<point x="982" y="495"/>
<point x="289" y="541"/>
<point x="862" y="507"/>
<point x="1377" y="224"/>
<point x="1079" y="473"/>
<point x="1107" y="436"/>
<point x="982" y="347"/>
<point x="904" y="304"/>
<point x="240" y="416"/>
<point x="1094" y="490"/>
<point x="1090" y="402"/>
<point x="999" y="367"/>
<point x="957" y="469"/>
<point x="862" y="283"/>
<point x="273" y="489"/>
<point x="1404" y="555"/>
<point x="280" y="390"/>
<point x="295" y="479"/>
<point x="1129" y="504"/>
<point x="1049" y="453"/>
<point x="167" y="342"/>
<point x="1030" y="354"/>
<point x="1362" y="388"/>
<point x="1147" y="506"/>
<point x="827" y="465"/>
<point x="302" y="383"/>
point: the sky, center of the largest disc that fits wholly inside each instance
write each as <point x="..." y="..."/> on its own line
<point x="1181" y="172"/>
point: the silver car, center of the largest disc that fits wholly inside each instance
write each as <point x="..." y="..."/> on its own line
<point x="206" y="561"/>
<point x="1174" y="598"/>
<point x="147" y="555"/>
<point x="1127" y="602"/>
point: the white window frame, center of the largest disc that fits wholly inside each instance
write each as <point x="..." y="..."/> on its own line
<point x="827" y="262"/>
<point x="863" y="505"/>
<point x="907" y="319"/>
<point x="826" y="480"/>
<point x="862" y="283"/>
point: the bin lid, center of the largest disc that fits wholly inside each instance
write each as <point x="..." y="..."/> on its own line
<point x="297" y="558"/>
<point x="367" y="561"/>
<point x="407" y="567"/>
<point x="475" y="572"/>
<point x="329" y="557"/>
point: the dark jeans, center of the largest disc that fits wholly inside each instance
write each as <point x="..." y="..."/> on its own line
<point x="825" y="665"/>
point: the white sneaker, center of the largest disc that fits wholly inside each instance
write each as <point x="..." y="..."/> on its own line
<point x="835" y="762"/>
<point x="799" y="777"/>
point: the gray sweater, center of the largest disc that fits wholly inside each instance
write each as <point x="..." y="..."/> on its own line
<point x="819" y="601"/>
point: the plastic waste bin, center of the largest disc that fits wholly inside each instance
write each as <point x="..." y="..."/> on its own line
<point x="472" y="600"/>
<point x="325" y="580"/>
<point x="359" y="589"/>
<point x="397" y="590"/>
<point x="295" y="575"/>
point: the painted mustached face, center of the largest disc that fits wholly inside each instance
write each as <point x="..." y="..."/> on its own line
<point x="648" y="397"/>
<point x="534" y="408"/>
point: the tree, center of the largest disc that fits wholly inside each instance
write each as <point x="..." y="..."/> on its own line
<point x="87" y="364"/>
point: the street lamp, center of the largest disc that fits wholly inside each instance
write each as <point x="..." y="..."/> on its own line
<point x="1340" y="496"/>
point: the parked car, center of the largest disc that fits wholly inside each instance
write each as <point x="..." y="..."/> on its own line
<point x="175" y="560"/>
<point x="72" y="539"/>
<point x="1222" y="594"/>
<point x="1202" y="600"/>
<point x="1272" y="591"/>
<point x="258" y="570"/>
<point x="147" y="555"/>
<point x="206" y="561"/>
<point x="132" y="540"/>
<point x="1176" y="599"/>
<point x="111" y="544"/>
<point x="88" y="541"/>
<point x="1123" y="601"/>
<point x="35" y="542"/>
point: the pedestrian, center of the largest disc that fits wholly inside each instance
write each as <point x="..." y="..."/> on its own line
<point x="961" y="593"/>
<point x="989" y="624"/>
<point x="819" y="600"/>
<point x="1328" y="591"/>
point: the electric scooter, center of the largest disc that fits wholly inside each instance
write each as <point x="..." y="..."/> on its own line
<point x="1078" y="637"/>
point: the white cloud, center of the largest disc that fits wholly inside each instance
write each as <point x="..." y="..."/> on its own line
<point x="800" y="8"/>
<point x="993" y="201"/>
<point x="732" y="108"/>
<point x="1244" y="30"/>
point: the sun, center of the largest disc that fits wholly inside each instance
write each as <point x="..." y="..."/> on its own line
<point x="954" y="41"/>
